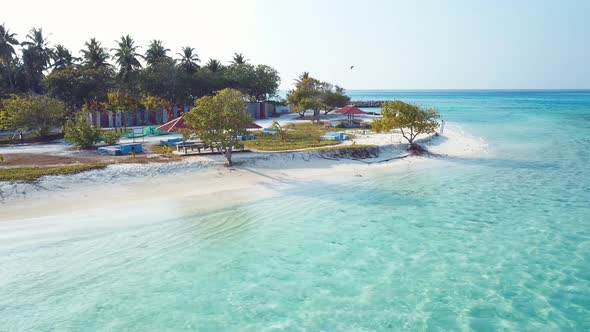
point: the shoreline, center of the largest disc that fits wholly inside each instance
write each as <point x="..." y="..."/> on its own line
<point x="206" y="181"/>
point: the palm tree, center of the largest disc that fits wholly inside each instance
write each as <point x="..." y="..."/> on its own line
<point x="36" y="58"/>
<point x="239" y="59"/>
<point x="62" y="57"/>
<point x="156" y="53"/>
<point x="188" y="60"/>
<point x="7" y="40"/>
<point x="213" y="65"/>
<point x="127" y="58"/>
<point x="302" y="76"/>
<point x="94" y="55"/>
<point x="37" y="43"/>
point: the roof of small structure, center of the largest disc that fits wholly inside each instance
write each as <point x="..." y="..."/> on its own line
<point x="179" y="123"/>
<point x="351" y="110"/>
<point x="174" y="125"/>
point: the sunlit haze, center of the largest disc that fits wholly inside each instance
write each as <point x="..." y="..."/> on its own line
<point x="391" y="44"/>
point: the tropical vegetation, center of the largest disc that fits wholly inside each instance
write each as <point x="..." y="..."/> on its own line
<point x="291" y="137"/>
<point x="410" y="119"/>
<point x="316" y="95"/>
<point x="81" y="133"/>
<point x="220" y="121"/>
<point x="32" y="174"/>
<point x="36" y="114"/>
<point x="33" y="64"/>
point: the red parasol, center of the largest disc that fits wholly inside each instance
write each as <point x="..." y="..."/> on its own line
<point x="351" y="110"/>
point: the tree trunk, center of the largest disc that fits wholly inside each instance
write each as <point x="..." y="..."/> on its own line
<point x="10" y="82"/>
<point x="228" y="152"/>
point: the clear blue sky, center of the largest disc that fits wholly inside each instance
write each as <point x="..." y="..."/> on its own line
<point x="454" y="44"/>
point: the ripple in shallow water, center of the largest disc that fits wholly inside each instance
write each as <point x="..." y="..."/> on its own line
<point x="381" y="253"/>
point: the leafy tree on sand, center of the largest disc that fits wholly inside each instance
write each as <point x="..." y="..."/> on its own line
<point x="412" y="121"/>
<point x="310" y="93"/>
<point x="333" y="97"/>
<point x="33" y="113"/>
<point x="306" y="95"/>
<point x="81" y="133"/>
<point x="266" y="83"/>
<point x="219" y="120"/>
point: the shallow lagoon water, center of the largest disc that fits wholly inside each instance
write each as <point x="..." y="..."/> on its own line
<point x="497" y="242"/>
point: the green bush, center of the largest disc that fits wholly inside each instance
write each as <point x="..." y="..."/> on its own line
<point x="111" y="137"/>
<point x="81" y="133"/>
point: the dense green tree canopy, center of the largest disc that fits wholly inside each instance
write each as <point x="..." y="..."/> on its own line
<point x="219" y="120"/>
<point x="310" y="93"/>
<point x="35" y="66"/>
<point x="412" y="120"/>
<point x="76" y="84"/>
<point x="153" y="102"/>
<point x="120" y="100"/>
<point x="33" y="113"/>
<point x="161" y="79"/>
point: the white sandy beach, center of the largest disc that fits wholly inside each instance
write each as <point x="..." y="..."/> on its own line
<point x="204" y="183"/>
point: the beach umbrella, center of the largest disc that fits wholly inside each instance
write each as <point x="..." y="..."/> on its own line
<point x="174" y="125"/>
<point x="252" y="125"/>
<point x="351" y="111"/>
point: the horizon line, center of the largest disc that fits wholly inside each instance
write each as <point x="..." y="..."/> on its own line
<point x="468" y="89"/>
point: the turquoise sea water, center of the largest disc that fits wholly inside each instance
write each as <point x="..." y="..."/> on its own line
<point x="500" y="242"/>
